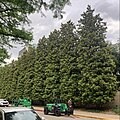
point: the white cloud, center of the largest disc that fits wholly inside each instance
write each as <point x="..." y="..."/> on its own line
<point x="109" y="9"/>
<point x="11" y="59"/>
<point x="113" y="26"/>
<point x="113" y="31"/>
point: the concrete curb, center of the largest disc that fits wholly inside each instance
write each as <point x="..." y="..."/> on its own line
<point x="88" y="117"/>
<point x="98" y="118"/>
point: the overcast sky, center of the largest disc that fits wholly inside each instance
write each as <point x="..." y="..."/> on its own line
<point x="108" y="9"/>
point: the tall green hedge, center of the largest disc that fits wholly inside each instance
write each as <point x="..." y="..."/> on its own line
<point x="73" y="62"/>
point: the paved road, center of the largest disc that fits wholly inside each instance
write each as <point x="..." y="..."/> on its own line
<point x="62" y="117"/>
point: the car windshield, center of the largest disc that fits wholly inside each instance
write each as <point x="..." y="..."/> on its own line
<point x="22" y="115"/>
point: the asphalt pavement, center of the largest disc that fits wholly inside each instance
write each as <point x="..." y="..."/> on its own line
<point x="86" y="115"/>
<point x="51" y="116"/>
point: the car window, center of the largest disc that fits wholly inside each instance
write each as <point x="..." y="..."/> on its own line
<point x="22" y="115"/>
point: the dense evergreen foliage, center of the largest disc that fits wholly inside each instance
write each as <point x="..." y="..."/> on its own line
<point x="98" y="83"/>
<point x="73" y="62"/>
<point x="116" y="53"/>
<point x="3" y="55"/>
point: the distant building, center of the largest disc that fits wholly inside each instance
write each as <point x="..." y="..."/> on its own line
<point x="21" y="52"/>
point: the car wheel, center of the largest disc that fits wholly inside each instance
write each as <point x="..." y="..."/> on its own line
<point x="46" y="111"/>
<point x="57" y="112"/>
<point x="65" y="112"/>
<point x="68" y="112"/>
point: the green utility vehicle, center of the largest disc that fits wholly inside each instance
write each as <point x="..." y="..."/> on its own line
<point x="22" y="102"/>
<point x="57" y="109"/>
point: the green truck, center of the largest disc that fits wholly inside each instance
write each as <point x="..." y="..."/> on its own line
<point x="57" y="109"/>
<point x="22" y="102"/>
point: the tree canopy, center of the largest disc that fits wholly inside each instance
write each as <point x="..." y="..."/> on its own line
<point x="14" y="15"/>
<point x="98" y="82"/>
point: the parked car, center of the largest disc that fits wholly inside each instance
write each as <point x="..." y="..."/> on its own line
<point x="4" y="102"/>
<point x="18" y="113"/>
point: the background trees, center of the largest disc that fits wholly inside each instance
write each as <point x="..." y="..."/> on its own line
<point x="116" y="53"/>
<point x="69" y="73"/>
<point x="73" y="62"/>
<point x="98" y="82"/>
<point x="52" y="69"/>
<point x="3" y="55"/>
<point x="39" y="70"/>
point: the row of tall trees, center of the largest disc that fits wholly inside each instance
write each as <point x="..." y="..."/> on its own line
<point x="73" y="62"/>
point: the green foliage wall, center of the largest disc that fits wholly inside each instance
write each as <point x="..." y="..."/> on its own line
<point x="71" y="63"/>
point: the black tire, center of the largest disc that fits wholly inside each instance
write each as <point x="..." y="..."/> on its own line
<point x="57" y="112"/>
<point x="65" y="112"/>
<point x="46" y="111"/>
<point x="68" y="113"/>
